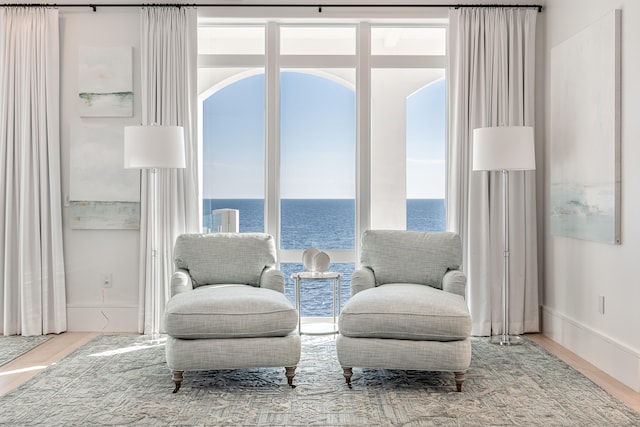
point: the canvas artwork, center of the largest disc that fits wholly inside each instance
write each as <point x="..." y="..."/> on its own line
<point x="96" y="164"/>
<point x="105" y="81"/>
<point x="102" y="193"/>
<point x="104" y="215"/>
<point x="585" y="133"/>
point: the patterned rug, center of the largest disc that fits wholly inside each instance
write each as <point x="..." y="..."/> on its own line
<point x="17" y="345"/>
<point x="121" y="380"/>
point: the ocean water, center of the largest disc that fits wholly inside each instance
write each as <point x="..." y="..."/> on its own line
<point x="324" y="224"/>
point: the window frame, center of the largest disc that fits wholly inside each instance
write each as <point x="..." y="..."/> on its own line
<point x="363" y="62"/>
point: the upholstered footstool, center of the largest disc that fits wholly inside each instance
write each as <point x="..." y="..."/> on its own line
<point x="231" y="327"/>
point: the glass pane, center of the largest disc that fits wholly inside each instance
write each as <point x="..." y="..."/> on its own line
<point x="233" y="152"/>
<point x="228" y="40"/>
<point x="403" y="165"/>
<point x="426" y="214"/>
<point x="316" y="297"/>
<point x="317" y="163"/>
<point x="318" y="41"/>
<point x="321" y="223"/>
<point x="408" y="41"/>
<point x="426" y="158"/>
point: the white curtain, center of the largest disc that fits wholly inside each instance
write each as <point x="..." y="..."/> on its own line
<point x="491" y="83"/>
<point x="32" y="287"/>
<point x="169" y="72"/>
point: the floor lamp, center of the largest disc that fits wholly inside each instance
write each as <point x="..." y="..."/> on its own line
<point x="154" y="147"/>
<point x="504" y="149"/>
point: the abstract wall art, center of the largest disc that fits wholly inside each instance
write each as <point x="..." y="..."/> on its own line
<point x="585" y="134"/>
<point x="104" y="215"/>
<point x="105" y="81"/>
<point x="96" y="165"/>
<point x="102" y="193"/>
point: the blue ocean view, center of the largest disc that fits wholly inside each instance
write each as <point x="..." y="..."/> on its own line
<point x="325" y="224"/>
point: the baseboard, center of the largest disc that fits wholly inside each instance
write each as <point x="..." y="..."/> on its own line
<point x="102" y="319"/>
<point x="614" y="358"/>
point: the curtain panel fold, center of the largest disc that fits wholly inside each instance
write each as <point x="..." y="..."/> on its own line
<point x="32" y="287"/>
<point x="169" y="96"/>
<point x="491" y="83"/>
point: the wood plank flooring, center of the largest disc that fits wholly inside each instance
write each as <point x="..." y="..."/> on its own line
<point x="19" y="370"/>
<point x="614" y="387"/>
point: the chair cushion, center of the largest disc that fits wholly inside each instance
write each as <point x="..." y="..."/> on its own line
<point x="221" y="258"/>
<point x="229" y="311"/>
<point x="406" y="311"/>
<point x="410" y="256"/>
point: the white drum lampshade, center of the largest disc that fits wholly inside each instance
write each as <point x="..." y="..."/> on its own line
<point x="503" y="148"/>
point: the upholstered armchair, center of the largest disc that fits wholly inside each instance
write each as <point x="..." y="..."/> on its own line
<point x="227" y="308"/>
<point x="407" y="308"/>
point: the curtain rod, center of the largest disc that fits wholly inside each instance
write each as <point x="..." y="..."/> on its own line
<point x="94" y="7"/>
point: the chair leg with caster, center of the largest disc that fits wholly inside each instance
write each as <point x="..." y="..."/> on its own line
<point x="290" y="372"/>
<point x="177" y="380"/>
<point x="348" y="373"/>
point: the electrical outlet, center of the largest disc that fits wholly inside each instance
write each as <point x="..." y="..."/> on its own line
<point x="105" y="280"/>
<point x="601" y="304"/>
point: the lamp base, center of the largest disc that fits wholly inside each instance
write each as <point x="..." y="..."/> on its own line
<point x="153" y="338"/>
<point x="507" y="339"/>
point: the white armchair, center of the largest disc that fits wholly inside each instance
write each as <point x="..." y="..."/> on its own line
<point x="407" y="308"/>
<point x="228" y="309"/>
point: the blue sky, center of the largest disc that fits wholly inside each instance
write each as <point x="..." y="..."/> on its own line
<point x="426" y="142"/>
<point x="317" y="140"/>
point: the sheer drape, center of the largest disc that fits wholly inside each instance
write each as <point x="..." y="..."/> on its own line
<point x="32" y="297"/>
<point x="491" y="83"/>
<point x="169" y="67"/>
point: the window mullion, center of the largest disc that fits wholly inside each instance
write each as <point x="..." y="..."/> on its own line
<point x="363" y="132"/>
<point x="272" y="133"/>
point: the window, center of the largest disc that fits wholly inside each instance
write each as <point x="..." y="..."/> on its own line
<point x="315" y="140"/>
<point x="406" y="40"/>
<point x="407" y="132"/>
<point x="317" y="162"/>
<point x="317" y="40"/>
<point x="426" y="158"/>
<point x="233" y="152"/>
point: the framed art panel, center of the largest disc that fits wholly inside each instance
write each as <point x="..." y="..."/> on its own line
<point x="585" y="133"/>
<point x="96" y="163"/>
<point x="104" y="215"/>
<point x="105" y="81"/>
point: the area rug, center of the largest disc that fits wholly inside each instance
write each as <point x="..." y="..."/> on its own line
<point x="17" y="345"/>
<point x="122" y="380"/>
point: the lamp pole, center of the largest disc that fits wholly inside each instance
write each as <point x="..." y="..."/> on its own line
<point x="505" y="338"/>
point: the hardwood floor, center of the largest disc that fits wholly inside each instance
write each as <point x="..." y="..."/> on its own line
<point x="22" y="368"/>
<point x="614" y="387"/>
<point x="19" y="370"/>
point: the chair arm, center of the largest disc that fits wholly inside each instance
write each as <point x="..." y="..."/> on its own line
<point x="362" y="279"/>
<point x="181" y="282"/>
<point x="272" y="279"/>
<point x="455" y="281"/>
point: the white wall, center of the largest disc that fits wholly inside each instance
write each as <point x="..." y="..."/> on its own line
<point x="578" y="272"/>
<point x="89" y="253"/>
